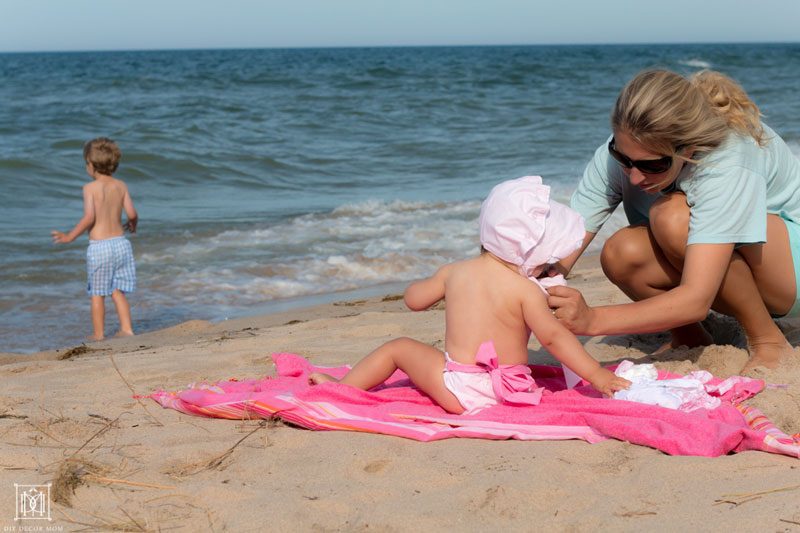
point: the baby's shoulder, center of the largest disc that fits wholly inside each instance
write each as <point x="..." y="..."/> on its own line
<point x="518" y="287"/>
<point x="529" y="289"/>
<point x="463" y="267"/>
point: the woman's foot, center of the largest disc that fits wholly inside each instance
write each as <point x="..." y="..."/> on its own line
<point x="94" y="338"/>
<point x="121" y="333"/>
<point x="318" y="377"/>
<point x="767" y="354"/>
<point x="690" y="335"/>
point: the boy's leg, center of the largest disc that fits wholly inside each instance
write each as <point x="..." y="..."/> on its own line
<point x="98" y="317"/>
<point x="424" y="365"/>
<point x="124" y="313"/>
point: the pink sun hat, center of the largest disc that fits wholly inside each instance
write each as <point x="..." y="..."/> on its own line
<point x="520" y="224"/>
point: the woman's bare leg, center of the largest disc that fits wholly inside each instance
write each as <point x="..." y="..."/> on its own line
<point x="754" y="286"/>
<point x="632" y="261"/>
<point x="772" y="268"/>
<point x="424" y="365"/>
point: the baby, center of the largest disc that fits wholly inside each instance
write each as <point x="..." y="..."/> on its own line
<point x="494" y="302"/>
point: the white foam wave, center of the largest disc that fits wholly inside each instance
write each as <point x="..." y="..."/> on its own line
<point x="695" y="63"/>
<point x="353" y="246"/>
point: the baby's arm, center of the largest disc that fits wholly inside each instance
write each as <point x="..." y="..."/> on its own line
<point x="564" y="346"/>
<point x="130" y="212"/>
<point x="85" y="223"/>
<point x="424" y="293"/>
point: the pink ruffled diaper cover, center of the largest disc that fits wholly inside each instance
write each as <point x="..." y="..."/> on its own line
<point x="488" y="383"/>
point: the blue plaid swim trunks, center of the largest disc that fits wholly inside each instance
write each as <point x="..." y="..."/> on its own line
<point x="110" y="266"/>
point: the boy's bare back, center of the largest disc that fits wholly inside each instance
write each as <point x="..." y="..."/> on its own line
<point x="107" y="196"/>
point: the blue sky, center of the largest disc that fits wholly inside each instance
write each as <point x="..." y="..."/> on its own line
<point x="62" y="25"/>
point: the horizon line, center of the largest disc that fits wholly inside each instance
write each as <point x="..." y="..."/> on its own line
<point x="340" y="47"/>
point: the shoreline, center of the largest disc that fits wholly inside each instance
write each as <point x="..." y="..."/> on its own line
<point x="73" y="418"/>
<point x="266" y="314"/>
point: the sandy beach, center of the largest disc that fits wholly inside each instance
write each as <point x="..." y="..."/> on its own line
<point x="69" y="417"/>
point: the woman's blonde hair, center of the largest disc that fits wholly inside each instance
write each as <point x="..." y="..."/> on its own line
<point x="665" y="112"/>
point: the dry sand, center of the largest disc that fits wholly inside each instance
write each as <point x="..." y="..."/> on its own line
<point x="68" y="417"/>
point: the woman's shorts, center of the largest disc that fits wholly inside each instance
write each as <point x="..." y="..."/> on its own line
<point x="793" y="228"/>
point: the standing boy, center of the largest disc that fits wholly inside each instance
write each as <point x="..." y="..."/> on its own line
<point x="109" y="258"/>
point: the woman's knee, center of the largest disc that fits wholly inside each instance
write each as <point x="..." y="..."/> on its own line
<point x="623" y="253"/>
<point x="669" y="223"/>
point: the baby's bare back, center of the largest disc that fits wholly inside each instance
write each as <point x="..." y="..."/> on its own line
<point x="108" y="195"/>
<point x="484" y="303"/>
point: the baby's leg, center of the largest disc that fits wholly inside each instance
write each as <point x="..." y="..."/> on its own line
<point x="124" y="313"/>
<point x="98" y="317"/>
<point x="423" y="364"/>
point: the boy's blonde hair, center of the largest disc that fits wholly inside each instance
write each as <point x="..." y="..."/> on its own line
<point x="665" y="112"/>
<point x="103" y="154"/>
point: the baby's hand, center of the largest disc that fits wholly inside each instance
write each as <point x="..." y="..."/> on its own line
<point x="607" y="382"/>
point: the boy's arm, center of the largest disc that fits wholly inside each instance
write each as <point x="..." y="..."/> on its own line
<point x="85" y="223"/>
<point x="565" y="346"/>
<point x="424" y="293"/>
<point x="130" y="212"/>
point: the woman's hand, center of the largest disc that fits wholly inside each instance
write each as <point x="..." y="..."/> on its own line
<point x="571" y="309"/>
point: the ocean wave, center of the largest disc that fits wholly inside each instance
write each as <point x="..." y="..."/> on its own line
<point x="251" y="168"/>
<point x="695" y="63"/>
<point x="353" y="246"/>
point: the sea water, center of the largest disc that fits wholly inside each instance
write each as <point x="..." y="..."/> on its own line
<point x="266" y="179"/>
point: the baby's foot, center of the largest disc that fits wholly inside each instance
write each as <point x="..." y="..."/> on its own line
<point x="767" y="354"/>
<point x="690" y="335"/>
<point x="94" y="338"/>
<point x="121" y="333"/>
<point x="318" y="377"/>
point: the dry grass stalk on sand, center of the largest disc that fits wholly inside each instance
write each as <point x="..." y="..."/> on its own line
<point x="217" y="462"/>
<point x="136" y="396"/>
<point x="739" y="498"/>
<point x="104" y="524"/>
<point x="97" y="434"/>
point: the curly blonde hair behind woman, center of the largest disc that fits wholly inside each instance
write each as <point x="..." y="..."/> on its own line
<point x="729" y="99"/>
<point x="665" y="112"/>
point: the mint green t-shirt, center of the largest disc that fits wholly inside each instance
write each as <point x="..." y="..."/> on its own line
<point x="730" y="191"/>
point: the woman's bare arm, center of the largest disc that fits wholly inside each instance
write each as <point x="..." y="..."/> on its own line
<point x="703" y="271"/>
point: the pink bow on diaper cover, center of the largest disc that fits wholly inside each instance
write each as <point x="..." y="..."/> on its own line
<point x="512" y="384"/>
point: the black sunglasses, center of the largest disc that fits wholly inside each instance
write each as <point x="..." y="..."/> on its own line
<point x="647" y="166"/>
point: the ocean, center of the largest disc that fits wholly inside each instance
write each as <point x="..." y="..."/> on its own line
<point x="275" y="178"/>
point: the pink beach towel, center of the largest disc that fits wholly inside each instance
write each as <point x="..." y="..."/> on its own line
<point x="398" y="408"/>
